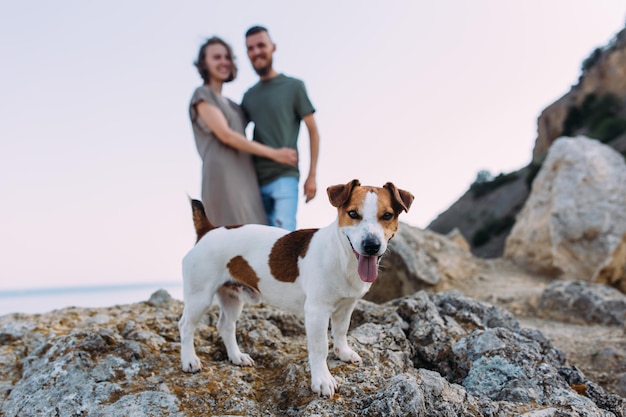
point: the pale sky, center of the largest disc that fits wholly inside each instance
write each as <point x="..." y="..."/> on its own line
<point x="97" y="154"/>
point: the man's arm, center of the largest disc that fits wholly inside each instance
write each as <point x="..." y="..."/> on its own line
<point x="310" y="185"/>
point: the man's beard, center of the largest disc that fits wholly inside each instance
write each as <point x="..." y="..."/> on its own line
<point x="263" y="71"/>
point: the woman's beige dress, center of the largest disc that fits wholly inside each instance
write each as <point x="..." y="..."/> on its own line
<point x="230" y="190"/>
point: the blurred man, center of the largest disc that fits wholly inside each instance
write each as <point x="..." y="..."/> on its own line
<point x="276" y="105"/>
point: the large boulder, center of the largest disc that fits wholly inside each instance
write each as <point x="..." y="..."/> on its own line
<point x="574" y="221"/>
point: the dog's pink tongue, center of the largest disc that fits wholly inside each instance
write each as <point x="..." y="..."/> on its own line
<point x="368" y="268"/>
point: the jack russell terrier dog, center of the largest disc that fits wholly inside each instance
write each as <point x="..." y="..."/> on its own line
<point x="318" y="273"/>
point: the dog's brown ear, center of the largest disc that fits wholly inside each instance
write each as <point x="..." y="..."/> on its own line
<point x="339" y="194"/>
<point x="402" y="199"/>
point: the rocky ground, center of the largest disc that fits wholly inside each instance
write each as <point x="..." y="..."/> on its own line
<point x="597" y="349"/>
<point x="436" y="353"/>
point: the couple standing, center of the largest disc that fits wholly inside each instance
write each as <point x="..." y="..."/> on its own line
<point x="234" y="168"/>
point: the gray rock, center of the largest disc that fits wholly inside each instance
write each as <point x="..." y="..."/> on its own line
<point x="582" y="301"/>
<point x="426" y="393"/>
<point x="160" y="298"/>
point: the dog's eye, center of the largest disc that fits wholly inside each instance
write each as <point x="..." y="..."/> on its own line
<point x="353" y="214"/>
<point x="387" y="216"/>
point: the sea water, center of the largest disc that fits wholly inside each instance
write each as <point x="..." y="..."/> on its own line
<point x="42" y="300"/>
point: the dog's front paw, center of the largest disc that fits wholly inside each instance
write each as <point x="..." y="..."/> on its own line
<point x="347" y="355"/>
<point x="324" y="385"/>
<point x="242" y="359"/>
<point x="192" y="364"/>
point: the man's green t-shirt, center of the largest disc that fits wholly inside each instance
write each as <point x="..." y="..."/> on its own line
<point x="276" y="106"/>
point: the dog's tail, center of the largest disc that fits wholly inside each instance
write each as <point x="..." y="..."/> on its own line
<point x="200" y="220"/>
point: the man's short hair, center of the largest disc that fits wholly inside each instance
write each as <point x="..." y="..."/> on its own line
<point x="256" y="29"/>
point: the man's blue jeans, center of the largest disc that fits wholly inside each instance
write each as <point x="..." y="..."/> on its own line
<point x="280" y="198"/>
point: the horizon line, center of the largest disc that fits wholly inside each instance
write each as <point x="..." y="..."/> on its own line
<point x="46" y="291"/>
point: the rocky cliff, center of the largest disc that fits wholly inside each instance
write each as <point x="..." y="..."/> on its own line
<point x="485" y="214"/>
<point x="595" y="107"/>
<point x="603" y="75"/>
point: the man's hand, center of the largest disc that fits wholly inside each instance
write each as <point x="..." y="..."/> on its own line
<point x="310" y="188"/>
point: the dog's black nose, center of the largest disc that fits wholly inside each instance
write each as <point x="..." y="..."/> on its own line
<point x="371" y="246"/>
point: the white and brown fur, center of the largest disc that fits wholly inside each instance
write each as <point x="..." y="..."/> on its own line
<point x="317" y="273"/>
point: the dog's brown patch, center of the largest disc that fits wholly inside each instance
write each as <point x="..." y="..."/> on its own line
<point x="200" y="220"/>
<point x="235" y="226"/>
<point x="242" y="272"/>
<point x="284" y="256"/>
